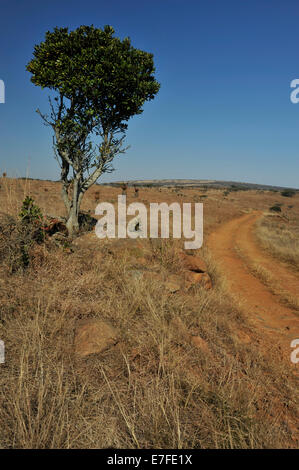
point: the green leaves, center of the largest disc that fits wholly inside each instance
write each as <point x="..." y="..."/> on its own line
<point x="101" y="71"/>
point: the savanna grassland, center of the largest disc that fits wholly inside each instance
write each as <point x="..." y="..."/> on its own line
<point x="191" y="367"/>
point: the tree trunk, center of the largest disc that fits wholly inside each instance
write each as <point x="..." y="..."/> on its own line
<point x="72" y="223"/>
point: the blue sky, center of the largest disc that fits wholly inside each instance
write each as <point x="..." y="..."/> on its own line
<point x="223" y="110"/>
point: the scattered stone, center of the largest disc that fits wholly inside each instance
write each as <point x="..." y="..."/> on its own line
<point x="59" y="237"/>
<point x="200" y="343"/>
<point x="142" y="261"/>
<point x="86" y="222"/>
<point x="193" y="263"/>
<point x="183" y="334"/>
<point x="202" y="279"/>
<point x="136" y="274"/>
<point x="243" y="337"/>
<point x="135" y="353"/>
<point x="180" y="329"/>
<point x="94" y="336"/>
<point x="55" y="226"/>
<point x="173" y="284"/>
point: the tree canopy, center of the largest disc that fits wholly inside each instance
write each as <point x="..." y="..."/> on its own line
<point x="100" y="82"/>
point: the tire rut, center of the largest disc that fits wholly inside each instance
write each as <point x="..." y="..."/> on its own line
<point x="262" y="306"/>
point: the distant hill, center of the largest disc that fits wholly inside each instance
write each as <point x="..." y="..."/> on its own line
<point x="193" y="183"/>
<point x="187" y="183"/>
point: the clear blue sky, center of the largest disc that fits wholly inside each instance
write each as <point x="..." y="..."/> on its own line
<point x="223" y="110"/>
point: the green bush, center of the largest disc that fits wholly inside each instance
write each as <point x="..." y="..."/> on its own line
<point x="18" y="236"/>
<point x="288" y="193"/>
<point x="16" y="239"/>
<point x="275" y="208"/>
<point x="32" y="217"/>
<point x="30" y="212"/>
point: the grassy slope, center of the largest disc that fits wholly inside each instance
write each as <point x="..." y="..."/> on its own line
<point x="155" y="388"/>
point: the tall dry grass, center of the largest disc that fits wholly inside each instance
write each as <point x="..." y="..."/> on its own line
<point x="280" y="239"/>
<point x="155" y="388"/>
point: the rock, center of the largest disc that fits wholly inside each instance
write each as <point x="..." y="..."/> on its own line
<point x="182" y="334"/>
<point x="244" y="337"/>
<point x="142" y="261"/>
<point x="86" y="222"/>
<point x="136" y="353"/>
<point x="55" y="226"/>
<point x="202" y="279"/>
<point x="59" y="237"/>
<point x="192" y="263"/>
<point x="172" y="287"/>
<point x="200" y="343"/>
<point x="94" y="336"/>
<point x="180" y="330"/>
<point x="136" y="274"/>
<point x="173" y="284"/>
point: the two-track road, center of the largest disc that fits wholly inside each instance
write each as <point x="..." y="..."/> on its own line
<point x="264" y="307"/>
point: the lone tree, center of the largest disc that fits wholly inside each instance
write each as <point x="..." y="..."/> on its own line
<point x="99" y="82"/>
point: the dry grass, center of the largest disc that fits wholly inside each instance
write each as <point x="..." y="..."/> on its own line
<point x="280" y="239"/>
<point x="270" y="281"/>
<point x="154" y="389"/>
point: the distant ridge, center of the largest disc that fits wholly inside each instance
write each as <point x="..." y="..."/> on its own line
<point x="193" y="183"/>
<point x="186" y="183"/>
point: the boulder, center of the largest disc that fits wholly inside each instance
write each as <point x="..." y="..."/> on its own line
<point x="173" y="284"/>
<point x="192" y="262"/>
<point x="55" y="226"/>
<point x="94" y="336"/>
<point x="86" y="222"/>
<point x="194" y="278"/>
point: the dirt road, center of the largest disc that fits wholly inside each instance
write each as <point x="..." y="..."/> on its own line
<point x="233" y="248"/>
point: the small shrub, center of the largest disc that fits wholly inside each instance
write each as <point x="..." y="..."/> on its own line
<point x="288" y="193"/>
<point x="18" y="236"/>
<point x="30" y="212"/>
<point x="31" y="215"/>
<point x="275" y="208"/>
<point x="16" y="241"/>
